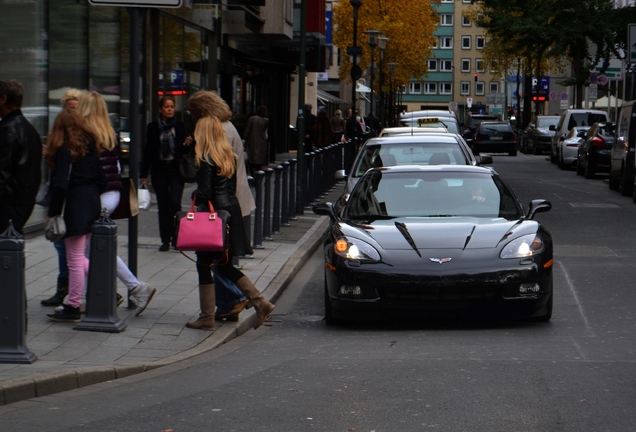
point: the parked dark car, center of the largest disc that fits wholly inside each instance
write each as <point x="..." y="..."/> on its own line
<point x="538" y="136"/>
<point x="622" y="164"/>
<point x="495" y="137"/>
<point x="473" y="122"/>
<point x="418" y="240"/>
<point x="595" y="152"/>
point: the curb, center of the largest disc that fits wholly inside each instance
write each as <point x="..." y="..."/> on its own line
<point x="48" y="383"/>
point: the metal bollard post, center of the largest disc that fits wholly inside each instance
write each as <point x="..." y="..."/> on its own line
<point x="13" y="303"/>
<point x="292" y="189"/>
<point x="284" y="221"/>
<point x="267" y="207"/>
<point x="309" y="184"/>
<point x="247" y="222"/>
<point x="258" y="213"/>
<point x="317" y="175"/>
<point x="101" y="292"/>
<point x="278" y="171"/>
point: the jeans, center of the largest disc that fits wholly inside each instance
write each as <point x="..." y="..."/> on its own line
<point x="60" y="247"/>
<point x="77" y="266"/>
<point x="227" y="293"/>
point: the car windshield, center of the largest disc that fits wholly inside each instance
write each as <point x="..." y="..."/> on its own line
<point x="546" y="122"/>
<point x="379" y="155"/>
<point x="384" y="195"/>
<point x="495" y="127"/>
<point x="586" y="119"/>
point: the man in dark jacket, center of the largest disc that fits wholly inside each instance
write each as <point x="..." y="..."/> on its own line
<point x="20" y="159"/>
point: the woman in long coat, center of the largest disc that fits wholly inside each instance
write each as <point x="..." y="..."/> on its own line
<point x="166" y="141"/>
<point x="255" y="137"/>
<point x="77" y="182"/>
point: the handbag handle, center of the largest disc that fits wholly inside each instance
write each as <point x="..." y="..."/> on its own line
<point x="190" y="214"/>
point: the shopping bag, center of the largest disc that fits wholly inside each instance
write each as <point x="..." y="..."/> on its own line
<point x="128" y="203"/>
<point x="143" y="197"/>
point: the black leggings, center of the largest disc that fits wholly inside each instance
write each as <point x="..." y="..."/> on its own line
<point x="204" y="259"/>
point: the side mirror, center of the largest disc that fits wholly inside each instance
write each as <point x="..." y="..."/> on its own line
<point x="531" y="126"/>
<point x="538" y="206"/>
<point x="325" y="209"/>
<point x="340" y="175"/>
<point x="484" y="159"/>
<point x="552" y="128"/>
<point x="562" y="137"/>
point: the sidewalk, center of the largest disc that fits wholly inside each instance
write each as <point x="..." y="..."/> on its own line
<point x="68" y="359"/>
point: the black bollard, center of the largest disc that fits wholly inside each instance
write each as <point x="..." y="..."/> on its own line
<point x="292" y="189"/>
<point x="309" y="183"/>
<point x="259" y="176"/>
<point x="101" y="292"/>
<point x="247" y="222"/>
<point x="278" y="171"/>
<point x="13" y="303"/>
<point x="267" y="207"/>
<point x="284" y="208"/>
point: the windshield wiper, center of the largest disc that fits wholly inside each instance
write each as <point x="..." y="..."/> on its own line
<point x="372" y="217"/>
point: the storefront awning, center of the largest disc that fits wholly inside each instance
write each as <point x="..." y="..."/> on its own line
<point x="328" y="98"/>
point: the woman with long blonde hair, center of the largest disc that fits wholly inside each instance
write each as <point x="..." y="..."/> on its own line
<point x="77" y="180"/>
<point x="216" y="182"/>
<point x="93" y="108"/>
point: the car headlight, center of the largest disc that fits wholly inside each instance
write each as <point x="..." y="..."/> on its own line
<point x="352" y="248"/>
<point x="522" y="247"/>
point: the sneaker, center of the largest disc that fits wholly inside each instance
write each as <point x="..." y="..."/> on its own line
<point x="82" y="308"/>
<point x="164" y="247"/>
<point x="68" y="314"/>
<point x="142" y="294"/>
<point x="120" y="299"/>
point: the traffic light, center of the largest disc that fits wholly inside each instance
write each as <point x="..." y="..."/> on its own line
<point x="511" y="112"/>
<point x="476" y="77"/>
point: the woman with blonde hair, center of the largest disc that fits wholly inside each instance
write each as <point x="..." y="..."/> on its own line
<point x="77" y="180"/>
<point x="216" y="182"/>
<point x="93" y="108"/>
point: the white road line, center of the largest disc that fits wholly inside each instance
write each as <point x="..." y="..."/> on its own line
<point x="576" y="297"/>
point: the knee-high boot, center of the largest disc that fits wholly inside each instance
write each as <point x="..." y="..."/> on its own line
<point x="207" y="300"/>
<point x="262" y="306"/>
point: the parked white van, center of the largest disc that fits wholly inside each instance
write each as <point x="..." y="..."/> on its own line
<point x="569" y="119"/>
<point x="622" y="158"/>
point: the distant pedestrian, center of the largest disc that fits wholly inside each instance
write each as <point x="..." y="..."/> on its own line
<point x="69" y="100"/>
<point x="77" y="181"/>
<point x="354" y="130"/>
<point x="322" y="130"/>
<point x="216" y="182"/>
<point x="338" y="124"/>
<point x="20" y="159"/>
<point x="373" y="122"/>
<point x="310" y="120"/>
<point x="255" y="136"/>
<point x="166" y="141"/>
<point x="93" y="107"/>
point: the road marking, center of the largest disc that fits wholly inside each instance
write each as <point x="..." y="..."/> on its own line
<point x="576" y="298"/>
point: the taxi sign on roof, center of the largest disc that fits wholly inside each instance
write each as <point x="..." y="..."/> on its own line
<point x="428" y="120"/>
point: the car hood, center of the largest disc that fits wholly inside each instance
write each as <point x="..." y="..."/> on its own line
<point x="450" y="233"/>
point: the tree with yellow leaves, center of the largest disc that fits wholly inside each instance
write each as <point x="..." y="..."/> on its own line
<point x="408" y="23"/>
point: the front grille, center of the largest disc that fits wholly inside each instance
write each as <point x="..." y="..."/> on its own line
<point x="442" y="292"/>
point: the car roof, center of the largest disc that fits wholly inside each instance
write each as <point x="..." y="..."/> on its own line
<point x="432" y="137"/>
<point x="406" y="130"/>
<point x="437" y="168"/>
<point x="428" y="113"/>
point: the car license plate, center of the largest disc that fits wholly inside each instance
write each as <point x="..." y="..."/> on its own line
<point x="496" y="138"/>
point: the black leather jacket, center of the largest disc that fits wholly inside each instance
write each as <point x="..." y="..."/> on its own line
<point x="221" y="191"/>
<point x="20" y="160"/>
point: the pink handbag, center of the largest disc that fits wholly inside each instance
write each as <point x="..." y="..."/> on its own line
<point x="202" y="231"/>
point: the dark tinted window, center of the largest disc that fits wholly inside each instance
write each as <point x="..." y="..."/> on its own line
<point x="585" y="119"/>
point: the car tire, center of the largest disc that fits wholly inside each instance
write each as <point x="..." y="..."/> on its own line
<point x="329" y="319"/>
<point x="626" y="186"/>
<point x="560" y="162"/>
<point x="613" y="183"/>
<point x="589" y="170"/>
<point x="552" y="156"/>
<point x="512" y="152"/>
<point x="548" y="314"/>
<point x="579" y="169"/>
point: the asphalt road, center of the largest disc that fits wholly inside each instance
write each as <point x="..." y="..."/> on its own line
<point x="576" y="373"/>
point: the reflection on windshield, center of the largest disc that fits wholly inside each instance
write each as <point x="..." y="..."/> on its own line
<point x="382" y="195"/>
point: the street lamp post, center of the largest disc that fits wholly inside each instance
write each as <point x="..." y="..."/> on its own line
<point x="356" y="72"/>
<point x="392" y="66"/>
<point x="373" y="42"/>
<point x="382" y="45"/>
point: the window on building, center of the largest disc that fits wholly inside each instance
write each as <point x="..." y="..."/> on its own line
<point x="479" y="65"/>
<point x="432" y="65"/>
<point x="446" y="65"/>
<point x="466" y="21"/>
<point x="430" y="88"/>
<point x="446" y="42"/>
<point x="445" y="88"/>
<point x="480" y="42"/>
<point x="465" y="88"/>
<point x="446" y="19"/>
<point x="494" y="87"/>
<point x="465" y="42"/>
<point x="479" y="88"/>
<point x="415" y="87"/>
<point x="435" y="43"/>
<point x="465" y="65"/>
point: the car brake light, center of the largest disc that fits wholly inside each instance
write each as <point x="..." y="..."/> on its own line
<point x="598" y="142"/>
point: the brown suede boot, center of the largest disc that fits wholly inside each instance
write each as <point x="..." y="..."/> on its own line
<point x="207" y="300"/>
<point x="232" y="314"/>
<point x="262" y="306"/>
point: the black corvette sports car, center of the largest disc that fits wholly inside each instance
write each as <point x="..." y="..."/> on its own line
<point x="416" y="240"/>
